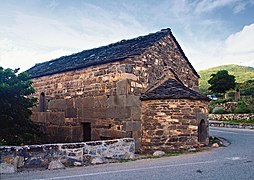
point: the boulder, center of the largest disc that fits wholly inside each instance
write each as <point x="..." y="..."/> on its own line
<point x="192" y="150"/>
<point x="55" y="165"/>
<point x="97" y="160"/>
<point x="215" y="145"/>
<point x="77" y="163"/>
<point x="159" y="153"/>
<point x="19" y="161"/>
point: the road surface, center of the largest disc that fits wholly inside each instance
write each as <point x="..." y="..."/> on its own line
<point x="235" y="161"/>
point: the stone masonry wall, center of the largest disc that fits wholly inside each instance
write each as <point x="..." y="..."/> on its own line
<point x="156" y="64"/>
<point x="171" y="124"/>
<point x="83" y="153"/>
<point x="107" y="95"/>
<point x="99" y="95"/>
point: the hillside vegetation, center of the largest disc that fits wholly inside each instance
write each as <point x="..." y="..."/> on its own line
<point x="241" y="73"/>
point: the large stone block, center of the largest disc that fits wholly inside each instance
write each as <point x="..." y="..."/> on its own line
<point x="118" y="100"/>
<point x="132" y="126"/>
<point x="78" y="102"/>
<point x="135" y="113"/>
<point x="55" y="118"/>
<point x="105" y="133"/>
<point x="71" y="113"/>
<point x="122" y="87"/>
<point x="87" y="113"/>
<point x="88" y="102"/>
<point x="42" y="117"/>
<point x="100" y="102"/>
<point x="77" y="133"/>
<point x="133" y="101"/>
<point x="118" y="112"/>
<point x="57" y="104"/>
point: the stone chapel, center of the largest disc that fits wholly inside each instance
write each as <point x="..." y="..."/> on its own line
<point x="144" y="88"/>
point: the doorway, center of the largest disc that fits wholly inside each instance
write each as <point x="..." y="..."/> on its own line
<point x="202" y="132"/>
<point x="86" y="132"/>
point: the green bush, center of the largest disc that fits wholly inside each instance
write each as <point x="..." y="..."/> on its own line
<point x="218" y="110"/>
<point x="242" y="108"/>
<point x="220" y="101"/>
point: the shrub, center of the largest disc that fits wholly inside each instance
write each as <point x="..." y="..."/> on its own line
<point x="220" y="101"/>
<point x="218" y="110"/>
<point x="242" y="108"/>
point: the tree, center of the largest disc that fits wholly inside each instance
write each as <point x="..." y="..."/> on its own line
<point x="221" y="82"/>
<point x="247" y="88"/>
<point x="16" y="126"/>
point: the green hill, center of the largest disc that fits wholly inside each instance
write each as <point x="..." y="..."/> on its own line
<point x="241" y="73"/>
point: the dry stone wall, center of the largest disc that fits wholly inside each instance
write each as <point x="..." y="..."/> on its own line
<point x="225" y="117"/>
<point x="171" y="124"/>
<point x="69" y="154"/>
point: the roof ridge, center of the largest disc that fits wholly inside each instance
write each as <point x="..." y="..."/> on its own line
<point x="100" y="55"/>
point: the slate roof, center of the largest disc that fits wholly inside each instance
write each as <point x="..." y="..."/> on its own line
<point x="105" y="54"/>
<point x="172" y="89"/>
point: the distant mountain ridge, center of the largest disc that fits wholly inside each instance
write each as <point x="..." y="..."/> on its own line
<point x="241" y="73"/>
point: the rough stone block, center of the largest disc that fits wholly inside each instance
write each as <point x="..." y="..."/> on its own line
<point x="136" y="134"/>
<point x="135" y="113"/>
<point x="42" y="116"/>
<point x="118" y="100"/>
<point x="88" y="113"/>
<point x="77" y="133"/>
<point x="78" y="102"/>
<point x="57" y="104"/>
<point x="55" y="118"/>
<point x="137" y="142"/>
<point x="71" y="113"/>
<point x="62" y="131"/>
<point x="116" y="134"/>
<point x="105" y="133"/>
<point x="88" y="102"/>
<point x="132" y="126"/>
<point x="133" y="101"/>
<point x="118" y="112"/>
<point x="122" y="87"/>
<point x="53" y="165"/>
<point x="100" y="102"/>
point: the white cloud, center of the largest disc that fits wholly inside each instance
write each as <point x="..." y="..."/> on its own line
<point x="31" y="37"/>
<point x="13" y="56"/>
<point x="34" y="38"/>
<point x="206" y="6"/>
<point x="210" y="5"/>
<point x="239" y="47"/>
<point x="236" y="49"/>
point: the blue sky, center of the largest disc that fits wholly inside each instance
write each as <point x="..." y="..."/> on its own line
<point x="211" y="32"/>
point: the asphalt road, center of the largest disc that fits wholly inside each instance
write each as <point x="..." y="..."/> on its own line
<point x="235" y="161"/>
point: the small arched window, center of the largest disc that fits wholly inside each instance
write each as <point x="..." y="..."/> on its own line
<point x="42" y="102"/>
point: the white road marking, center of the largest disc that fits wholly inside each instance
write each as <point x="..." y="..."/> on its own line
<point x="128" y="170"/>
<point x="235" y="158"/>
